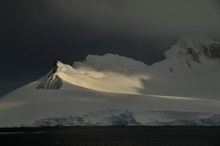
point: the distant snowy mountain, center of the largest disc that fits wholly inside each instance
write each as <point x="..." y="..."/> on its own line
<point x="191" y="49"/>
<point x="183" y="89"/>
<point x="190" y="55"/>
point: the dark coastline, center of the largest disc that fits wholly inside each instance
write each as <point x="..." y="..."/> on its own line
<point x="142" y="135"/>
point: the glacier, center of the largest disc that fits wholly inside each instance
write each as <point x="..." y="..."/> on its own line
<point x="122" y="117"/>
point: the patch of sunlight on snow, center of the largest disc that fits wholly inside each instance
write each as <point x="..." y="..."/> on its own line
<point x="174" y="97"/>
<point x="187" y="98"/>
<point x="106" y="81"/>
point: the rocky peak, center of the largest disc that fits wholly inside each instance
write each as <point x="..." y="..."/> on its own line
<point x="53" y="81"/>
<point x="55" y="66"/>
<point x="192" y="49"/>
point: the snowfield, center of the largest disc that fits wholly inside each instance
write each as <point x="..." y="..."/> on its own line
<point x="112" y="90"/>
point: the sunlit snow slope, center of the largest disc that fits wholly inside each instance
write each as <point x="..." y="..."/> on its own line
<point x="108" y="73"/>
<point x="183" y="89"/>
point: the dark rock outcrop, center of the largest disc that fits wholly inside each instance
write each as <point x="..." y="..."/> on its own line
<point x="193" y="49"/>
<point x="53" y="81"/>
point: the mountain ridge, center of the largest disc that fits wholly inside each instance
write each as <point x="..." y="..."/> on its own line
<point x="187" y="54"/>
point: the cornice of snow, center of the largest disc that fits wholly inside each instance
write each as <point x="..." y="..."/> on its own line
<point x="111" y="62"/>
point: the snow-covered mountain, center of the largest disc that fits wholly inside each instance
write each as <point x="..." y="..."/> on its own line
<point x="108" y="73"/>
<point x="190" y="56"/>
<point x="183" y="89"/>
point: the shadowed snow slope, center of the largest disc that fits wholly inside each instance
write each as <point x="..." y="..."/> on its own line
<point x="187" y="83"/>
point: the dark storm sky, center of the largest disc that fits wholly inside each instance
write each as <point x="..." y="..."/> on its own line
<point x="35" y="33"/>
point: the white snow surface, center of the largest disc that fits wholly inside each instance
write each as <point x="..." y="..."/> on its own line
<point x="115" y="90"/>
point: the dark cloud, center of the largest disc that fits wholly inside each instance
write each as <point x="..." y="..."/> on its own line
<point x="35" y="33"/>
<point x="141" y="18"/>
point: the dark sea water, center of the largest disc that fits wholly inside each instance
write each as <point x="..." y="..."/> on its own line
<point x="112" y="136"/>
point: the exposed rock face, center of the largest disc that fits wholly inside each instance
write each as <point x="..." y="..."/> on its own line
<point x="213" y="51"/>
<point x="193" y="49"/>
<point x="53" y="81"/>
<point x="190" y="56"/>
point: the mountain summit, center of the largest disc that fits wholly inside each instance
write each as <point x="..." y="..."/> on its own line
<point x="193" y="48"/>
<point x="190" y="55"/>
<point x="53" y="81"/>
